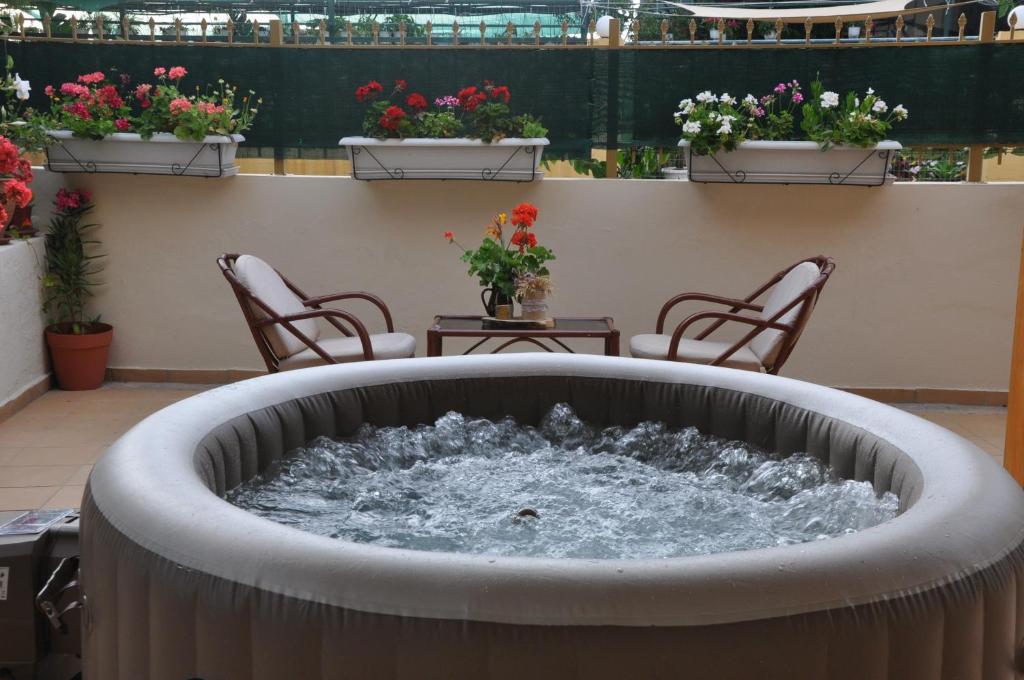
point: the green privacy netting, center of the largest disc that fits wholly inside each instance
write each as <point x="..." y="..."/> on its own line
<point x="963" y="94"/>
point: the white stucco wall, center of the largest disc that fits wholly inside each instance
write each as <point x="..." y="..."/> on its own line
<point x="923" y="295"/>
<point x="22" y="348"/>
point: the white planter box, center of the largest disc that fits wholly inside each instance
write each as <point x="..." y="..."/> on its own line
<point x="793" y="163"/>
<point x="163" y="154"/>
<point x="511" y="159"/>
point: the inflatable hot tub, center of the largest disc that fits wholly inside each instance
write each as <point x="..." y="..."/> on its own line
<point x="181" y="584"/>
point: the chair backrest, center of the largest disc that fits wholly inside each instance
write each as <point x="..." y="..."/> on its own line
<point x="263" y="293"/>
<point x="794" y="296"/>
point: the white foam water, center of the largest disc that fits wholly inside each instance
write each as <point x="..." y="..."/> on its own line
<point x="563" y="489"/>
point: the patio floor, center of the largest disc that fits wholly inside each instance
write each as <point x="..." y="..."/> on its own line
<point x="48" y="449"/>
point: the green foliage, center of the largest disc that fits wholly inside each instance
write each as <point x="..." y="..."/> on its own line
<point x="72" y="264"/>
<point x="712" y="123"/>
<point x="829" y="119"/>
<point x="439" y="125"/>
<point x="642" y="162"/>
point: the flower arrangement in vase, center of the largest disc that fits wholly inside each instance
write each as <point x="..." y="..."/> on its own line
<point x="507" y="256"/>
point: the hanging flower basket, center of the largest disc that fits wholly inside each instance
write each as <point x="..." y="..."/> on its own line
<point x="162" y="154"/>
<point x="793" y="163"/>
<point x="509" y="159"/>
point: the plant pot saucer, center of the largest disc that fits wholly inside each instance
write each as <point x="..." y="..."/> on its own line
<point x="518" y="322"/>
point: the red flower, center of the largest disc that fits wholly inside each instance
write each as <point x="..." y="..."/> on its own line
<point x="449" y="236"/>
<point x="416" y="102"/>
<point x="474" y="101"/>
<point x="108" y="95"/>
<point x="465" y="93"/>
<point x="501" y="92"/>
<point x="368" y="91"/>
<point x="122" y="124"/>
<point x="15" y="190"/>
<point x="48" y="90"/>
<point x="524" y="239"/>
<point x="79" y="109"/>
<point x="24" y="171"/>
<point x="391" y="118"/>
<point x="91" y="78"/>
<point x="9" y="157"/>
<point x="401" y="85"/>
<point x="72" y="200"/>
<point x="524" y="215"/>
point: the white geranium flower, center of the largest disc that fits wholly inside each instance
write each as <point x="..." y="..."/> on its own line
<point x="726" y="127"/>
<point x="871" y="90"/>
<point x="692" y="127"/>
<point x="686" y="107"/>
<point x="880" y="106"/>
<point x="726" y="99"/>
<point x="707" y="96"/>
<point x="900" y="112"/>
<point x="21" y="87"/>
<point x="750" y="100"/>
<point x="829" y="100"/>
<point x="856" y="101"/>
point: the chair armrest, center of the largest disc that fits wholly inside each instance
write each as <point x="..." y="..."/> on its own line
<point x="315" y="303"/>
<point x="735" y="306"/>
<point x="331" y="315"/>
<point x="722" y="317"/>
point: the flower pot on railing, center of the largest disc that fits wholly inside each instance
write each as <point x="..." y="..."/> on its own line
<point x="510" y="159"/>
<point x="162" y="154"/>
<point x="755" y="162"/>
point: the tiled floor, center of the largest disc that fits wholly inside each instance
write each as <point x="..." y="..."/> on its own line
<point x="47" y="450"/>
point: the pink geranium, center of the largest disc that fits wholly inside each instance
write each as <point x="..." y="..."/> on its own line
<point x="74" y="90"/>
<point x="123" y="124"/>
<point x="72" y="200"/>
<point x="177" y="73"/>
<point x="179" y="106"/>
<point x="159" y="71"/>
<point x="92" y="78"/>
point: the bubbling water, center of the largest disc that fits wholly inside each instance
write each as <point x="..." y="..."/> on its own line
<point x="563" y="489"/>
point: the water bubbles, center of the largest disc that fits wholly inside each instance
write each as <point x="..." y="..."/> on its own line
<point x="562" y="489"/>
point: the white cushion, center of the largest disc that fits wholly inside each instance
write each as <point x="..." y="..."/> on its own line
<point x="345" y="349"/>
<point x="265" y="283"/>
<point x="766" y="344"/>
<point x="655" y="346"/>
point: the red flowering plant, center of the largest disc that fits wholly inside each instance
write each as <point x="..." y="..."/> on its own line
<point x="165" y="108"/>
<point x="73" y="261"/>
<point x="94" y="107"/>
<point x="509" y="251"/>
<point x="15" y="176"/>
<point x="478" y="112"/>
<point x="91" y="107"/>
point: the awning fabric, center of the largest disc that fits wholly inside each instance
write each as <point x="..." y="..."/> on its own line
<point x="854" y="12"/>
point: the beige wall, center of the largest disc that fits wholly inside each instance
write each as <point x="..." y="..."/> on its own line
<point x="922" y="297"/>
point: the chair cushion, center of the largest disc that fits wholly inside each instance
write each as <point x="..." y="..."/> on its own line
<point x="655" y="346"/>
<point x="265" y="283"/>
<point x="345" y="349"/>
<point x="766" y="344"/>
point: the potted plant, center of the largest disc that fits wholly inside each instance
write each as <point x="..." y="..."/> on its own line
<point x="15" y="176"/>
<point x="715" y="34"/>
<point x="754" y="140"/>
<point x="472" y="134"/>
<point x="78" y="346"/>
<point x="96" y="125"/>
<point x="505" y="257"/>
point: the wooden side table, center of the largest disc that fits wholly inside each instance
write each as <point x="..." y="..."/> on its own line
<point x="464" y="326"/>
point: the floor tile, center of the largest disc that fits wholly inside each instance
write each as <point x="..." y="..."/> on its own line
<point x="66" y="497"/>
<point x="26" y="498"/>
<point x="36" y="475"/>
<point x="57" y="455"/>
<point x="81" y="476"/>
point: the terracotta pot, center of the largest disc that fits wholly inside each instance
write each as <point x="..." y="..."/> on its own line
<point x="80" y="361"/>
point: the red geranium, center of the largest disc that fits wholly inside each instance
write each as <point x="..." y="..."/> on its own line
<point x="524" y="239"/>
<point x="15" y="190"/>
<point x="401" y="85"/>
<point x="524" y="215"/>
<point x="9" y="157"/>
<point x="368" y="91"/>
<point x="416" y="102"/>
<point x="391" y="118"/>
<point x="72" y="200"/>
<point x="501" y="92"/>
